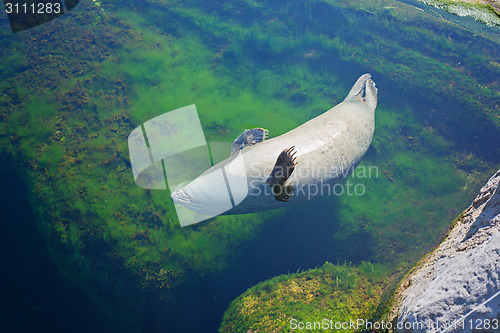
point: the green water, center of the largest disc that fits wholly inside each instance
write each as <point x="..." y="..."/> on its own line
<point x="99" y="74"/>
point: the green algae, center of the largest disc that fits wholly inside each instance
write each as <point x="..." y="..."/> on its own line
<point x="275" y="71"/>
<point x="337" y="293"/>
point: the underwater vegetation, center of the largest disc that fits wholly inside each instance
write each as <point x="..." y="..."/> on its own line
<point x="337" y="292"/>
<point x="69" y="100"/>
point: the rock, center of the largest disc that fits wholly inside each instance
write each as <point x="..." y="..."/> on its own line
<point x="486" y="11"/>
<point x="459" y="281"/>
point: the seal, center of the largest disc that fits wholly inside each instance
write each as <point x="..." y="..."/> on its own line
<point x="296" y="166"/>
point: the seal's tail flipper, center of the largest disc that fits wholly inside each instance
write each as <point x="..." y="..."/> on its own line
<point x="371" y="95"/>
<point x="285" y="164"/>
<point x="363" y="90"/>
<point x="358" y="89"/>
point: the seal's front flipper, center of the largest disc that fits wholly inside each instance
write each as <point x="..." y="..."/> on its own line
<point x="285" y="164"/>
<point x="249" y="137"/>
<point x="283" y="192"/>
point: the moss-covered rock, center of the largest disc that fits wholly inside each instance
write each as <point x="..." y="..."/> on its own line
<point x="325" y="296"/>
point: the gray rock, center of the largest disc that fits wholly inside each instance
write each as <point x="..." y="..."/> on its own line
<point x="459" y="281"/>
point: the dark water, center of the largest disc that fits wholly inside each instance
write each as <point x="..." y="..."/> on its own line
<point x="35" y="297"/>
<point x="298" y="241"/>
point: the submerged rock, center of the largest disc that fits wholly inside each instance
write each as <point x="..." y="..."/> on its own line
<point x="318" y="300"/>
<point x="458" y="283"/>
<point x="486" y="11"/>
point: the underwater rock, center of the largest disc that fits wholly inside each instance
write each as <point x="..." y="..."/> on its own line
<point x="317" y="300"/>
<point x="485" y="11"/>
<point x="457" y="284"/>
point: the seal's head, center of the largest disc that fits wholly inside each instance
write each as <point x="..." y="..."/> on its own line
<point x="206" y="195"/>
<point x="181" y="197"/>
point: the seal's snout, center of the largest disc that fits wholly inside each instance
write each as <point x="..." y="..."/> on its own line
<point x="180" y="197"/>
<point x="198" y="202"/>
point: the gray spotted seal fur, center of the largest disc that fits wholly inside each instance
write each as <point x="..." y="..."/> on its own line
<point x="295" y="166"/>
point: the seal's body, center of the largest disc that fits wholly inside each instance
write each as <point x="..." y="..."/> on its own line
<point x="306" y="161"/>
